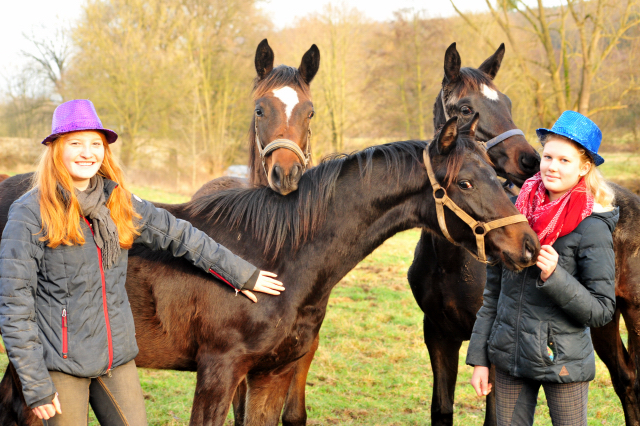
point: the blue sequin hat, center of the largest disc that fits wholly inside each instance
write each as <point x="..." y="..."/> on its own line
<point x="579" y="129"/>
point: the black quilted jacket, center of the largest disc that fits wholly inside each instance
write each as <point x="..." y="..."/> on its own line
<point x="541" y="330"/>
<point x="61" y="311"/>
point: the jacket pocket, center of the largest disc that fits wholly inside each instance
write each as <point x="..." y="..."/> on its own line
<point x="65" y="334"/>
<point x="548" y="345"/>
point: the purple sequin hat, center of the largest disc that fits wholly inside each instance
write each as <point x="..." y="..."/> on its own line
<point x="77" y="115"/>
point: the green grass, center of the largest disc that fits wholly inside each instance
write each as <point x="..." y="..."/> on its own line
<point x="372" y="367"/>
<point x="621" y="166"/>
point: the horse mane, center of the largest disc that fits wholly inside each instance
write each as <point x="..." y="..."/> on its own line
<point x="280" y="76"/>
<point x="275" y="219"/>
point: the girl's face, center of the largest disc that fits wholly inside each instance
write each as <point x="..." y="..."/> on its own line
<point x="560" y="167"/>
<point x="82" y="156"/>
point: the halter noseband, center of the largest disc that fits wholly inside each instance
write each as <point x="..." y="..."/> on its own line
<point x="282" y="143"/>
<point x="480" y="229"/>
<point x="492" y="142"/>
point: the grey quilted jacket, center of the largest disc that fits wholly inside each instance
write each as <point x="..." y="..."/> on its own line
<point x="541" y="330"/>
<point x="61" y="311"/>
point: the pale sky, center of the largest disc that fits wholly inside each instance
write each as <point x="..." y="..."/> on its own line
<point x="18" y="17"/>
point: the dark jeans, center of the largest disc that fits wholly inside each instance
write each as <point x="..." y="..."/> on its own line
<point x="516" y="401"/>
<point x="116" y="400"/>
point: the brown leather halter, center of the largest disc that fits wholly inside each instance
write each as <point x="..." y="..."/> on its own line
<point x="283" y="143"/>
<point x="480" y="229"/>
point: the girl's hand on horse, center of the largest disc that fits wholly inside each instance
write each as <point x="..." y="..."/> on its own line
<point x="265" y="284"/>
<point x="45" y="412"/>
<point x="547" y="261"/>
<point x="480" y="380"/>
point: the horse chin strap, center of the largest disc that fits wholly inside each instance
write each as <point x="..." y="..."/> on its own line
<point x="283" y="143"/>
<point x="492" y="142"/>
<point x="480" y="229"/>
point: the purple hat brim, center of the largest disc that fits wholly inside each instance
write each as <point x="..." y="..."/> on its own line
<point x="596" y="158"/>
<point x="110" y="135"/>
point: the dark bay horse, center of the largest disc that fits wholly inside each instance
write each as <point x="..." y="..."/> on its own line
<point x="343" y="210"/>
<point x="280" y="132"/>
<point x="447" y="282"/>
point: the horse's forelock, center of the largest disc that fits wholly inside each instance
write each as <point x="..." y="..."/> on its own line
<point x="280" y="76"/>
<point x="455" y="158"/>
<point x="471" y="80"/>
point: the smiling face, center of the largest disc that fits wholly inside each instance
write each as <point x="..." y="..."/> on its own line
<point x="82" y="156"/>
<point x="561" y="167"/>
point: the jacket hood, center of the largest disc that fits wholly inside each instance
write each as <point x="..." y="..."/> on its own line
<point x="610" y="218"/>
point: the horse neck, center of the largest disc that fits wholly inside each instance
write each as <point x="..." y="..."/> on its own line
<point x="359" y="220"/>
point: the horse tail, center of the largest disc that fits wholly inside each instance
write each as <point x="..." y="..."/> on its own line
<point x="13" y="409"/>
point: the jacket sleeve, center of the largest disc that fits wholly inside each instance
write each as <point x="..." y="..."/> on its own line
<point x="591" y="300"/>
<point x="20" y="256"/>
<point x="478" y="345"/>
<point x="160" y="230"/>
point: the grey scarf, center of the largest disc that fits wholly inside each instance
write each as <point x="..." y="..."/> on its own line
<point x="105" y="233"/>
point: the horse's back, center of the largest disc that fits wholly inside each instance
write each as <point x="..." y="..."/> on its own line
<point x="220" y="184"/>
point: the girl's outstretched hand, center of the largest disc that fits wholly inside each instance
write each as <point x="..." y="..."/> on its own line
<point x="266" y="283"/>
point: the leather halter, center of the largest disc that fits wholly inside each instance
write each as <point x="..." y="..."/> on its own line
<point x="480" y="229"/>
<point x="492" y="142"/>
<point x="282" y="143"/>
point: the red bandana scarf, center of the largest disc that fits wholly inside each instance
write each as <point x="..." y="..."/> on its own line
<point x="553" y="219"/>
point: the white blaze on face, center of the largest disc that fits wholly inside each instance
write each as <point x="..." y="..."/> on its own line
<point x="289" y="98"/>
<point x="489" y="92"/>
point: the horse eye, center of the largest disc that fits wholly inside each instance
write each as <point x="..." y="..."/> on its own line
<point x="311" y="114"/>
<point x="466" y="110"/>
<point x="465" y="184"/>
<point x="259" y="112"/>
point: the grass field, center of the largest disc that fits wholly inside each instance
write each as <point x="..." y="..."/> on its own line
<point x="372" y="367"/>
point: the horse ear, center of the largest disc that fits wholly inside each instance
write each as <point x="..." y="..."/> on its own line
<point x="448" y="136"/>
<point x="452" y="64"/>
<point x="473" y="126"/>
<point x="264" y="59"/>
<point x="492" y="65"/>
<point x="310" y="64"/>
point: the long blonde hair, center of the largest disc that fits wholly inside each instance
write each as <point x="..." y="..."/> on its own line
<point x="596" y="183"/>
<point x="60" y="216"/>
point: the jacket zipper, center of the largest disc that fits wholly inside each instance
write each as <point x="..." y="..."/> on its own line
<point x="64" y="334"/>
<point x="515" y="354"/>
<point x="104" y="303"/>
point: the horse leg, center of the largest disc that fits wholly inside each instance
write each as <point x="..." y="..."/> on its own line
<point x="239" y="403"/>
<point x="490" y="418"/>
<point x="218" y="377"/>
<point x="443" y="354"/>
<point x="621" y="365"/>
<point x="266" y="394"/>
<point x="295" y="412"/>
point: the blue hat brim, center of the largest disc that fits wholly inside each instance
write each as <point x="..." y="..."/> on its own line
<point x="597" y="159"/>
<point x="110" y="135"/>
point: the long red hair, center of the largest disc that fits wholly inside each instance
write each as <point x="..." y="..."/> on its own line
<point x="61" y="217"/>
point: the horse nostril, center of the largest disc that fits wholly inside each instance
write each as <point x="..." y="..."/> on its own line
<point x="529" y="249"/>
<point x="276" y="175"/>
<point x="529" y="162"/>
<point x="296" y="172"/>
